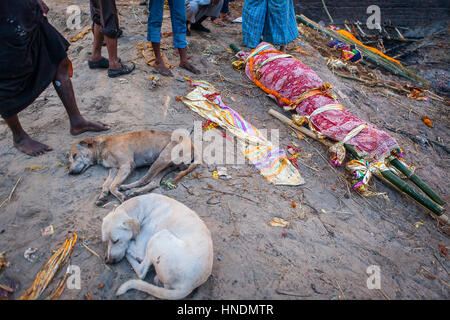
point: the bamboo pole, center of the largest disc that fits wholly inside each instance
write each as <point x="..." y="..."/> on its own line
<point x="234" y="48"/>
<point x="414" y="178"/>
<point x="326" y="10"/>
<point x="303" y="130"/>
<point x="387" y="175"/>
<point x="406" y="188"/>
<point x="417" y="181"/>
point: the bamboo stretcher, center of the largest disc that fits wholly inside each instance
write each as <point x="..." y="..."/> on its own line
<point x="433" y="202"/>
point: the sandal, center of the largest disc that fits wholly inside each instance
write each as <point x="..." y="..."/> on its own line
<point x="112" y="73"/>
<point x="103" y="63"/>
<point x="199" y="27"/>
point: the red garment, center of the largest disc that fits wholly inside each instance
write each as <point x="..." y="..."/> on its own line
<point x="290" y="78"/>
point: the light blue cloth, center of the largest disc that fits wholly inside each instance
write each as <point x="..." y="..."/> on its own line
<point x="177" y="16"/>
<point x="195" y="10"/>
<point x="200" y="2"/>
<point x="274" y="20"/>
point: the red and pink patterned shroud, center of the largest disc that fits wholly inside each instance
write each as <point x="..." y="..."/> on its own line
<point x="291" y="78"/>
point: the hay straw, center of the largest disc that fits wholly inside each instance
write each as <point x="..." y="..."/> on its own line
<point x="52" y="266"/>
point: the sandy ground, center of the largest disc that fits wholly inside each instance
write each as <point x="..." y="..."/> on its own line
<point x="333" y="237"/>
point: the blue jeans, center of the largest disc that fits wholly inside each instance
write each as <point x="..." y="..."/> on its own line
<point x="178" y="17"/>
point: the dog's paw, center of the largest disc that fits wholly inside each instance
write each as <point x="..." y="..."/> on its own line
<point x="129" y="194"/>
<point x="101" y="201"/>
<point x="120" y="196"/>
<point x="126" y="187"/>
<point x="122" y="289"/>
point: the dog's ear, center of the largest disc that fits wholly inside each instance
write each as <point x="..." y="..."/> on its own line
<point x="91" y="142"/>
<point x="88" y="142"/>
<point x="132" y="225"/>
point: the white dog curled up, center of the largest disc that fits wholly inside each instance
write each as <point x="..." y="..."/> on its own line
<point x="156" y="230"/>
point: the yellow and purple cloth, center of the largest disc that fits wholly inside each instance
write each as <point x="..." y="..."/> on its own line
<point x="270" y="160"/>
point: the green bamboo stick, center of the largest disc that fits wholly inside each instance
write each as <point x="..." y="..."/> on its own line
<point x="234" y="48"/>
<point x="417" y="181"/>
<point x="406" y="188"/>
<point x="353" y="151"/>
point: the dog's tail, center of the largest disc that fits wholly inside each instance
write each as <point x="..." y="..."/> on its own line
<point x="159" y="292"/>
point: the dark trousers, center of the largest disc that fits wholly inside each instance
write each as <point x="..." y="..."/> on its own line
<point x="225" y="7"/>
<point x="104" y="14"/>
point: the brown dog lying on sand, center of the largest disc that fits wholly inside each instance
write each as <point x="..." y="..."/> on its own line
<point x="123" y="153"/>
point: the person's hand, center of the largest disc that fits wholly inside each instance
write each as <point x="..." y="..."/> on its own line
<point x="43" y="6"/>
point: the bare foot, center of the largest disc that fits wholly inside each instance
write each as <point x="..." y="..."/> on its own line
<point x="162" y="69"/>
<point x="175" y="52"/>
<point x="85" y="125"/>
<point x="227" y="18"/>
<point x="218" y="22"/>
<point x="189" y="67"/>
<point x="30" y="146"/>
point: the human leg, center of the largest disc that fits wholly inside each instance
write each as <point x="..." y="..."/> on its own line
<point x="64" y="88"/>
<point x="23" y="141"/>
